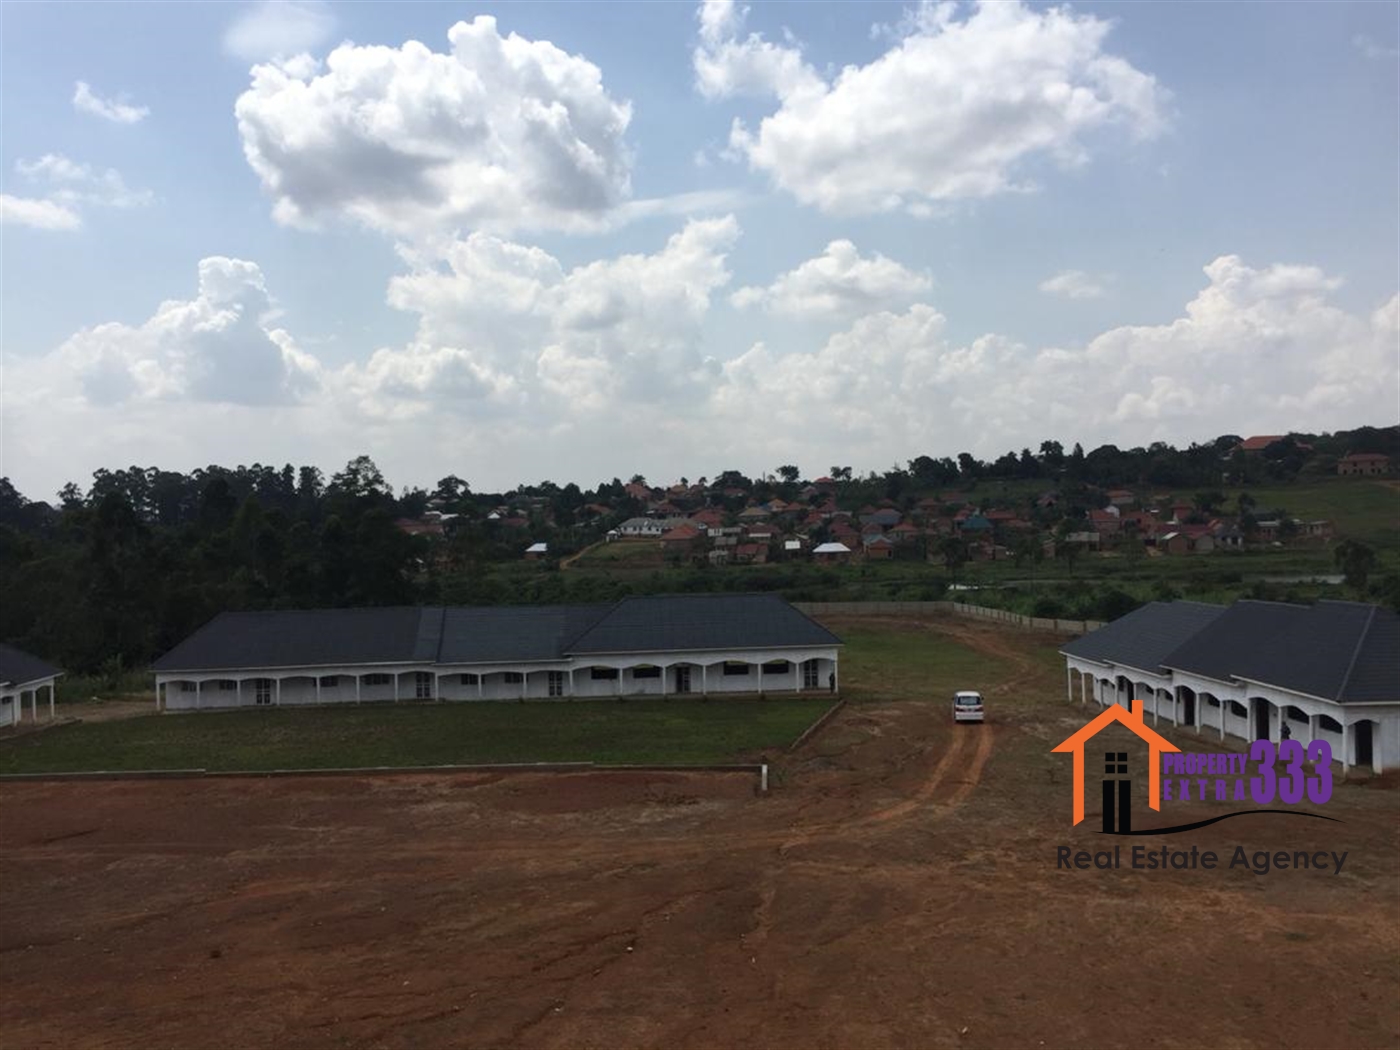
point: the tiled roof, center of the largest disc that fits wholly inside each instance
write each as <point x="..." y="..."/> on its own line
<point x="1343" y="651"/>
<point x="490" y="634"/>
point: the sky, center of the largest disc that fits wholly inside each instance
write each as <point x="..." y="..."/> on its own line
<point x="578" y="241"/>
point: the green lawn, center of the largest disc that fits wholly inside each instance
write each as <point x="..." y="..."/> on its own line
<point x="910" y="661"/>
<point x="637" y="731"/>
<point x="1366" y="509"/>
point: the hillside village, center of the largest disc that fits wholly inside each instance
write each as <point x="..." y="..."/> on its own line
<point x="836" y="519"/>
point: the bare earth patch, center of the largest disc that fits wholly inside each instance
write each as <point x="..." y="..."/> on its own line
<point x="898" y="891"/>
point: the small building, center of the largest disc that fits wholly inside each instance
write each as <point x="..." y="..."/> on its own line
<point x="831" y="552"/>
<point x="536" y="551"/>
<point x="878" y="547"/>
<point x="645" y="646"/>
<point x="1366" y="463"/>
<point x="681" y="540"/>
<point x="21" y="675"/>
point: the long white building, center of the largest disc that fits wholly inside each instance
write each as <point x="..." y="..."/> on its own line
<point x="1329" y="671"/>
<point x="653" y="646"/>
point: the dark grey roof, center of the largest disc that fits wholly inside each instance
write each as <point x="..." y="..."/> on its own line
<point x="504" y="633"/>
<point x="20" y="668"/>
<point x="1144" y="637"/>
<point x="702" y="621"/>
<point x="1343" y="651"/>
<point x="309" y="638"/>
<point x="492" y="634"/>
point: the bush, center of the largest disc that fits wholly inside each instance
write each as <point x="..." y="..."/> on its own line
<point x="1048" y="608"/>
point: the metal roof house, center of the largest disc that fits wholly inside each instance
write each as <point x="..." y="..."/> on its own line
<point x="1329" y="671"/>
<point x="23" y="675"/>
<point x="659" y="646"/>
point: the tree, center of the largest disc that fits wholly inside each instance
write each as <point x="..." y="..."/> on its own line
<point x="1357" y="561"/>
<point x="360" y="479"/>
<point x="789" y="473"/>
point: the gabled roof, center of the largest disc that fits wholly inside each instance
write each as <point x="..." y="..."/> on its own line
<point x="1146" y="636"/>
<point x="490" y="634"/>
<point x="1259" y="442"/>
<point x="20" y="668"/>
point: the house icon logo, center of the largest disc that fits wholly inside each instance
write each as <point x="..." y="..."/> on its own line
<point x="1117" y="793"/>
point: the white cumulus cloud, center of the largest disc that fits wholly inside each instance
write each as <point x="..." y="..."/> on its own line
<point x="217" y="347"/>
<point x="39" y="214"/>
<point x="499" y="133"/>
<point x="273" y="29"/>
<point x="1253" y="347"/>
<point x="1073" y="284"/>
<point x="958" y="108"/>
<point x="67" y="187"/>
<point x="838" y="284"/>
<point x="115" y="110"/>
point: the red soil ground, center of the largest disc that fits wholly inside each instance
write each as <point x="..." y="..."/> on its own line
<point x="896" y="888"/>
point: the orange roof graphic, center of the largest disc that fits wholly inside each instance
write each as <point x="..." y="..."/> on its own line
<point x="1074" y="743"/>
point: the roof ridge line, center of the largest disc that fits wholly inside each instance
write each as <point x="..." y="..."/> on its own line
<point x="1356" y="653"/>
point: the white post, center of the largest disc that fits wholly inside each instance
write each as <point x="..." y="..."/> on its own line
<point x="524" y="684"/>
<point x="277" y="684"/>
<point x="664" y="669"/>
<point x="479" y="679"/>
<point x="1156" y="706"/>
<point x="704" y="679"/>
<point x="318" y="688"/>
<point x="437" y="686"/>
<point x="618" y="680"/>
<point x="1083" y="693"/>
<point x="357" y="686"/>
<point x="573" y="681"/>
<point x="763" y="779"/>
<point x="396" y="687"/>
<point x="51" y="689"/>
<point x="1222" y="703"/>
<point x="1376" y="737"/>
<point x="1346" y="758"/>
<point x="240" y="692"/>
<point x="1069" y="683"/>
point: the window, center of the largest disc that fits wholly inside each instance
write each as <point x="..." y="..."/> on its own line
<point x="187" y="687"/>
<point x="777" y="667"/>
<point x="556" y="683"/>
<point x="1238" y="709"/>
<point x="227" y="685"/>
<point x="330" y="681"/>
<point x="600" y="674"/>
<point x="736" y="668"/>
<point x="809" y="675"/>
<point x="469" y="679"/>
<point x="646" y="672"/>
<point x="1115" y="761"/>
<point x="262" y="690"/>
<point x="514" y="677"/>
<point x="377" y="679"/>
<point x="1212" y="702"/>
<point x="423" y="685"/>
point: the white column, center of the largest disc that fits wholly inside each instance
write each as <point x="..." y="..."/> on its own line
<point x="525" y="683"/>
<point x="618" y="680"/>
<point x="318" y="688"/>
<point x="51" y="689"/>
<point x="1377" y="735"/>
<point x="1346" y="756"/>
<point x="573" y="681"/>
<point x="396" y="687"/>
<point x="1156" y="705"/>
<point x="198" y="696"/>
<point x="836" y="670"/>
<point x="1069" y="683"/>
<point x="437" y="686"/>
<point x="479" y="691"/>
<point x="239" y="689"/>
<point x="277" y="685"/>
<point x="704" y="679"/>
<point x="664" y="668"/>
<point x="1083" y="693"/>
<point x="1222" y="703"/>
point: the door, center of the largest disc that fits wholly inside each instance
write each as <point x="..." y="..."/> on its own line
<point x="1261" y="719"/>
<point x="809" y="675"/>
<point x="1362" y="735"/>
<point x="683" y="678"/>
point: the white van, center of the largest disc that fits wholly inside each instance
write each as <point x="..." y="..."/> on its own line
<point x="967" y="707"/>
